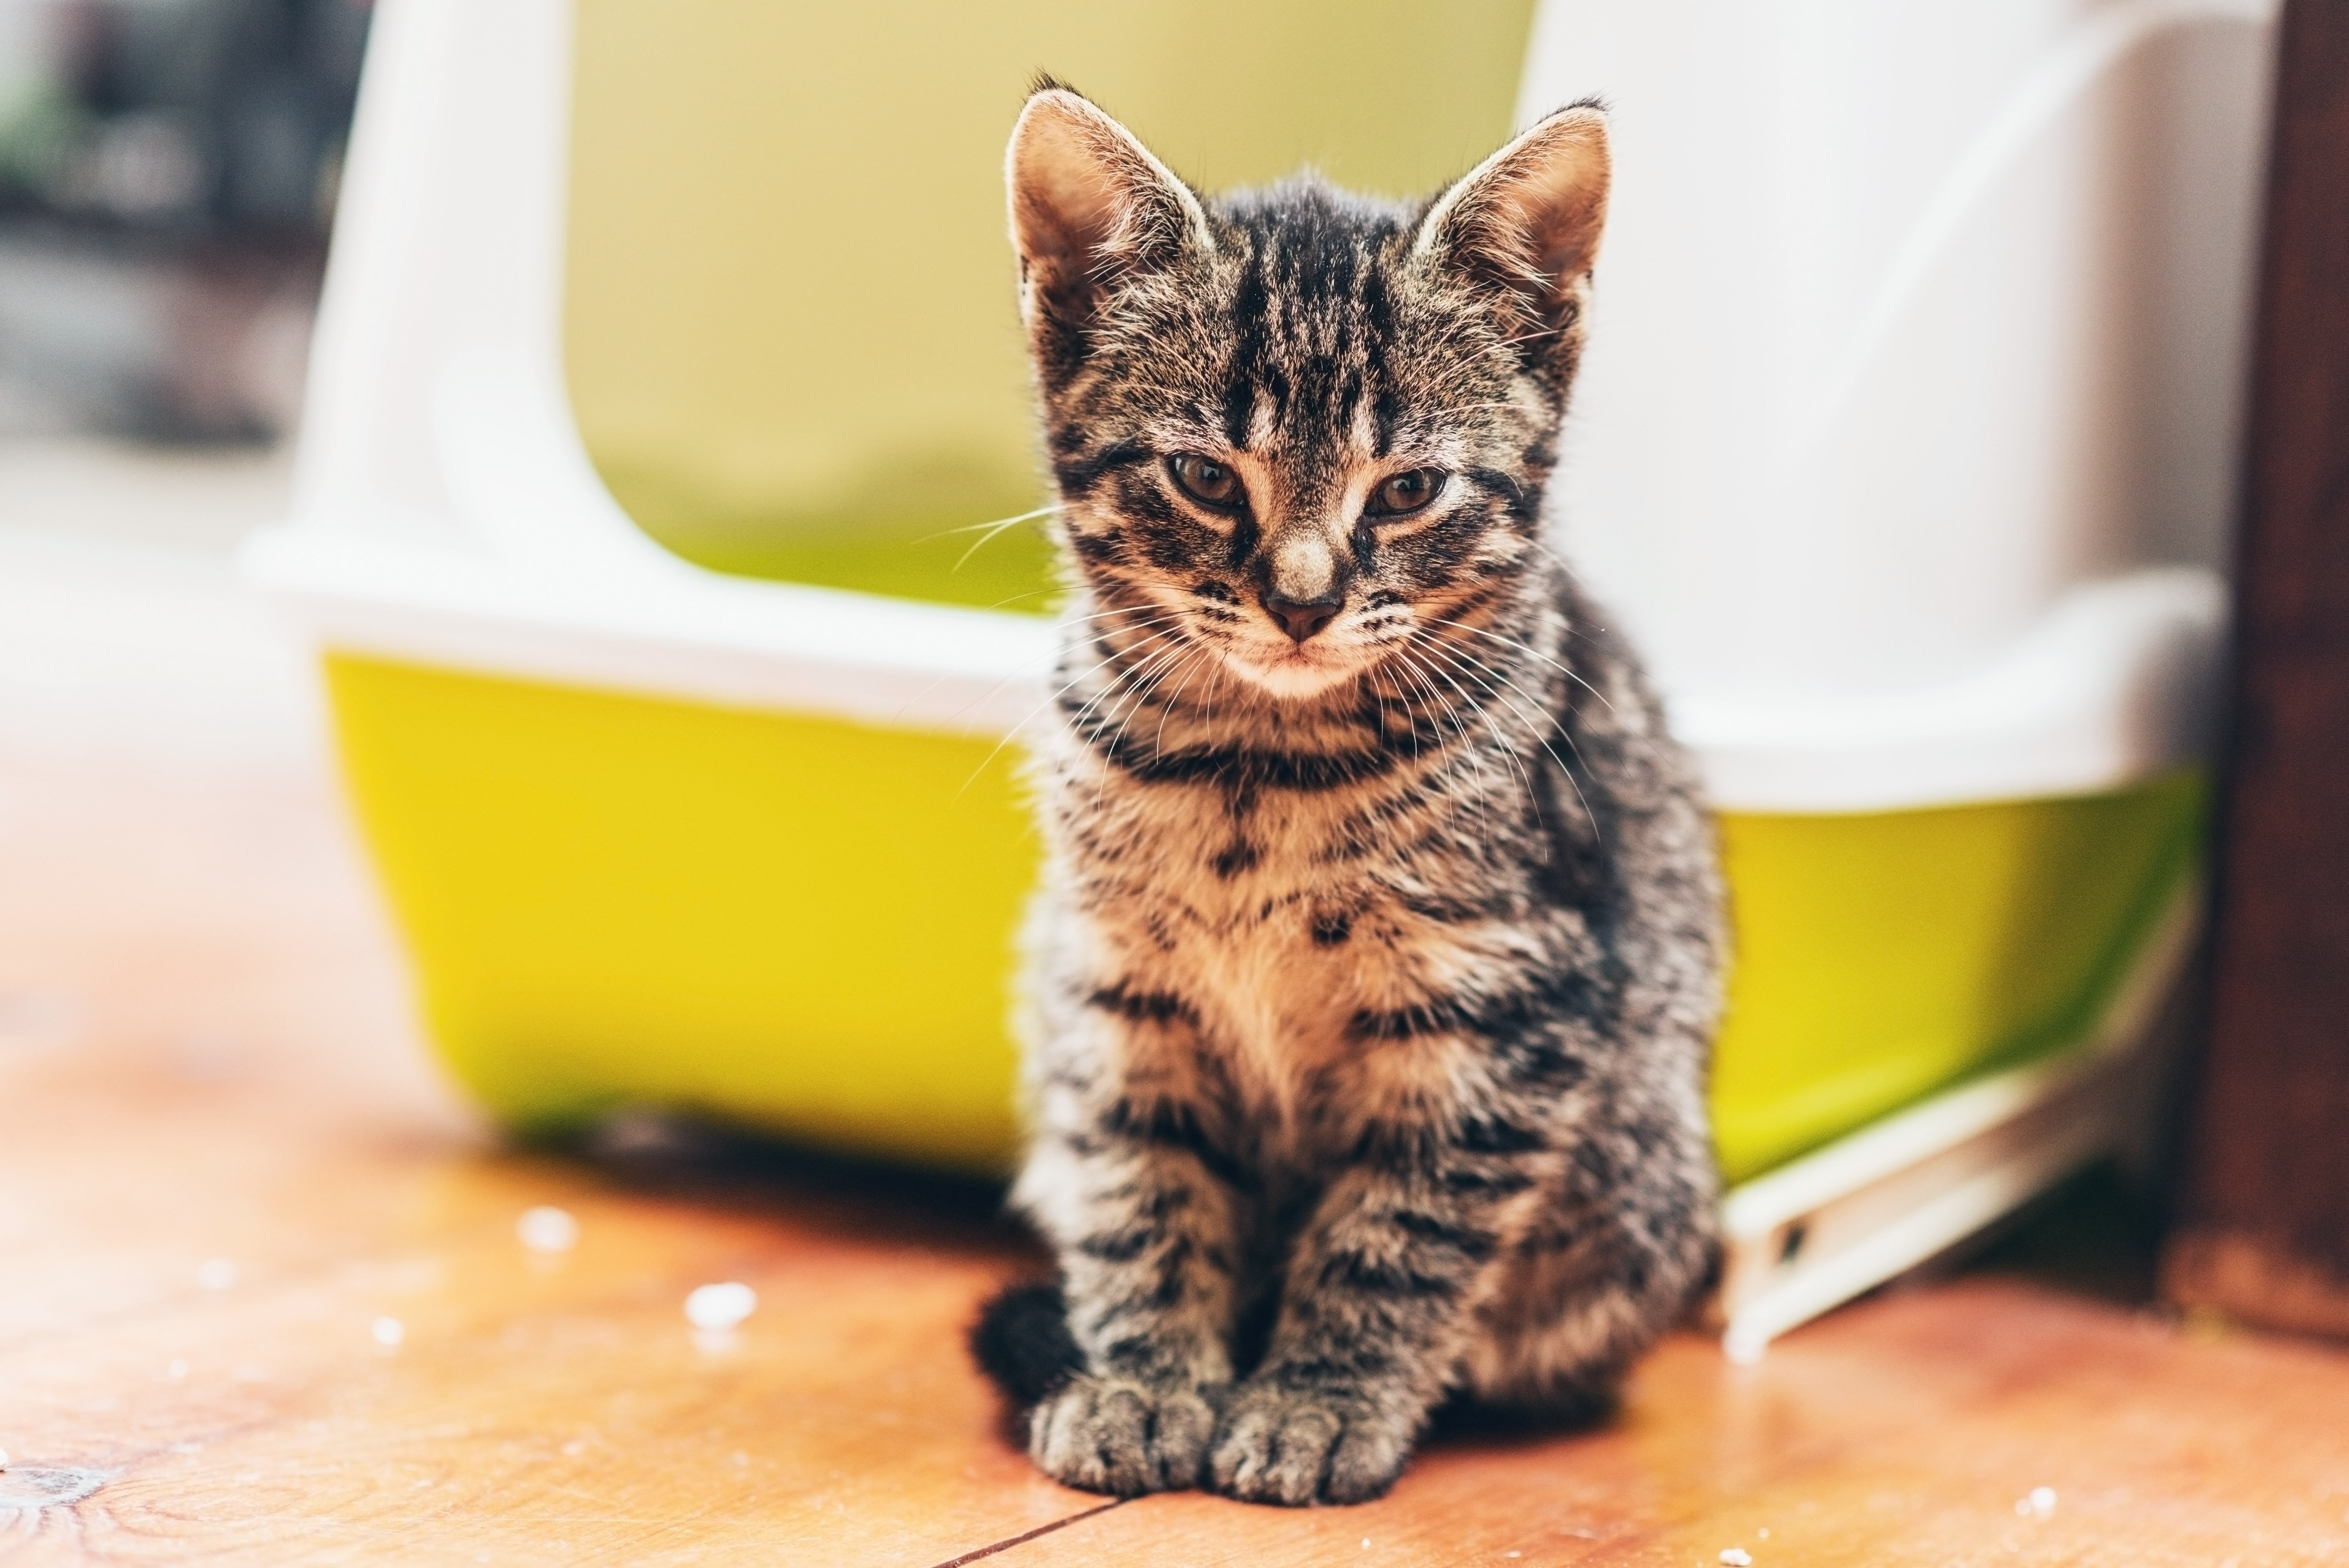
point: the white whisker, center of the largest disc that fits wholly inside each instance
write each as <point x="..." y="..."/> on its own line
<point x="1527" y="649"/>
<point x="1529" y="708"/>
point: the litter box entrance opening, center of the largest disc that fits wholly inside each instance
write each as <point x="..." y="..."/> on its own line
<point x="792" y="340"/>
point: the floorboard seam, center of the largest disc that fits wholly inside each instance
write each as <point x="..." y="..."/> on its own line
<point x="1039" y="1529"/>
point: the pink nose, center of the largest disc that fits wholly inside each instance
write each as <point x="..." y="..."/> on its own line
<point x="1300" y="619"/>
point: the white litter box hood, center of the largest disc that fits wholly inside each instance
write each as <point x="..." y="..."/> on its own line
<point x="1912" y="321"/>
<point x="1903" y="445"/>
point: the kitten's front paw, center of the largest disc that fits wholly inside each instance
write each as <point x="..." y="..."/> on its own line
<point x="1107" y="1434"/>
<point x="1300" y="1446"/>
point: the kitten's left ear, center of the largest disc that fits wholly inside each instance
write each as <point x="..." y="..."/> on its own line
<point x="1526" y="221"/>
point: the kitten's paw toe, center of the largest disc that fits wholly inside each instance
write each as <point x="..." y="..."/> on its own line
<point x="1123" y="1438"/>
<point x="1297" y="1447"/>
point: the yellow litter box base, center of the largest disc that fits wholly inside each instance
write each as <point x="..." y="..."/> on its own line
<point x="807" y="925"/>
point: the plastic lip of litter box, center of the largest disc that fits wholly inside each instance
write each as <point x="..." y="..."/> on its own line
<point x="1827" y="1226"/>
<point x="447" y="516"/>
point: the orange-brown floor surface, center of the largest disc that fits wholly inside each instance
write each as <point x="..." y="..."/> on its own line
<point x="261" y="1294"/>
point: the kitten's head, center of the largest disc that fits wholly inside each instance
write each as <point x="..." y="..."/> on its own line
<point x="1296" y="427"/>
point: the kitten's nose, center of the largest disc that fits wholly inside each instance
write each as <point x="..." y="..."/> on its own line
<point x="1300" y="619"/>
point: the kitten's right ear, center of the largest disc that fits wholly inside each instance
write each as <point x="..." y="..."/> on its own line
<point x="1090" y="209"/>
<point x="1525" y="224"/>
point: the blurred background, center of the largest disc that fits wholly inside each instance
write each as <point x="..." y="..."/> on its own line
<point x="168" y="175"/>
<point x="168" y="172"/>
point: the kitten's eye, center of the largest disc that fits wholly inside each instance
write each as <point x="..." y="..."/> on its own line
<point x="1408" y="492"/>
<point x="1207" y="481"/>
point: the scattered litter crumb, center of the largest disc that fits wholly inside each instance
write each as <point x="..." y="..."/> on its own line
<point x="389" y="1331"/>
<point x="721" y="1305"/>
<point x="206" y="1057"/>
<point x="216" y="1273"/>
<point x="177" y="1370"/>
<point x="1763" y="1534"/>
<point x="1366" y="1543"/>
<point x="1738" y="1557"/>
<point x="3" y="1458"/>
<point x="30" y="1488"/>
<point x="38" y="1020"/>
<point x="547" y="1229"/>
<point x="2038" y="1503"/>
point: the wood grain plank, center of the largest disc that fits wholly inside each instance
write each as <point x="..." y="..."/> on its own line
<point x="1901" y="1432"/>
<point x="204" y="1053"/>
<point x="211" y="1061"/>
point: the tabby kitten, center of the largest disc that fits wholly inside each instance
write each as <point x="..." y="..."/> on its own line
<point x="1370" y="989"/>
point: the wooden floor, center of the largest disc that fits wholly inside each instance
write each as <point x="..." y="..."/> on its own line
<point x="227" y="1177"/>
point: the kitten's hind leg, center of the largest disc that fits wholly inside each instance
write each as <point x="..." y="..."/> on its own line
<point x="1583" y="1294"/>
<point x="1567" y="1372"/>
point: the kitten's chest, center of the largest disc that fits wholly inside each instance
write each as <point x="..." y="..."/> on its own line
<point x="1249" y="887"/>
<point x="1282" y="934"/>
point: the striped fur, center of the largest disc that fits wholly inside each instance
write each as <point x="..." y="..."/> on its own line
<point x="1368" y="996"/>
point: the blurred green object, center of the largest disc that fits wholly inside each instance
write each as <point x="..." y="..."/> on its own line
<point x="794" y="342"/>
<point x="809" y="925"/>
<point x="1881" y="957"/>
<point x="610" y="899"/>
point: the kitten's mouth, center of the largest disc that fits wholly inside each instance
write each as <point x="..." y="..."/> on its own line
<point x="1299" y="670"/>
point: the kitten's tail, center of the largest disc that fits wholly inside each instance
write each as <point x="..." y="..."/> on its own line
<point x="1021" y="1341"/>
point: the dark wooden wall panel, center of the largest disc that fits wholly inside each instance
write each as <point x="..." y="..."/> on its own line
<point x="2264" y="1231"/>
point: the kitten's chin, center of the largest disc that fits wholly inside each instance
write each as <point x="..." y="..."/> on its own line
<point x="1293" y="676"/>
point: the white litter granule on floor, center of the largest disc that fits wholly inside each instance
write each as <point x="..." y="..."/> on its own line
<point x="1738" y="1557"/>
<point x="720" y="1306"/>
<point x="547" y="1229"/>
<point x="3" y="1458"/>
<point x="177" y="1370"/>
<point x="388" y="1330"/>
<point x="216" y="1273"/>
<point x="2038" y="1503"/>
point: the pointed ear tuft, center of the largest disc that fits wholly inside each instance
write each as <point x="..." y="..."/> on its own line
<point x="1526" y="221"/>
<point x="1091" y="208"/>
